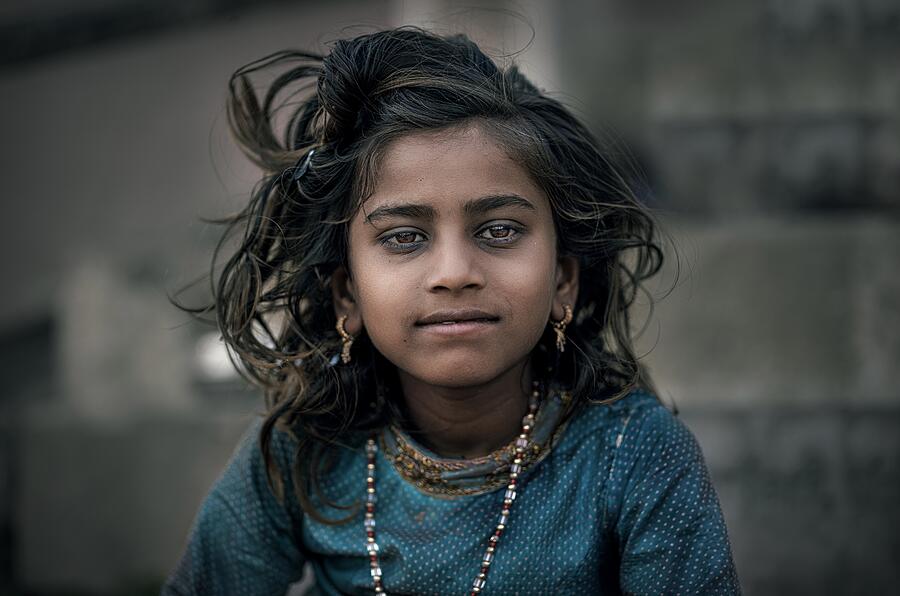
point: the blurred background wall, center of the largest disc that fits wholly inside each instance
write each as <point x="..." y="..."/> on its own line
<point x="769" y="132"/>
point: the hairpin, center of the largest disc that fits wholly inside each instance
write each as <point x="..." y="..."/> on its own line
<point x="301" y="169"/>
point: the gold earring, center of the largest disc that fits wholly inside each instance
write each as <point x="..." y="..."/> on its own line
<point x="346" y="339"/>
<point x="560" y="328"/>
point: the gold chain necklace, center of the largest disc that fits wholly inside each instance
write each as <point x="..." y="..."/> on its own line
<point x="521" y="445"/>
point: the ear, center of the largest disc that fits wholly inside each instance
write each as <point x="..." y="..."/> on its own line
<point x="566" y="291"/>
<point x="343" y="295"/>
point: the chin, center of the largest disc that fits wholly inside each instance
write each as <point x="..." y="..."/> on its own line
<point x="459" y="374"/>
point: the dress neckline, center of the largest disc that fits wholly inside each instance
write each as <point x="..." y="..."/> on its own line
<point x="451" y="477"/>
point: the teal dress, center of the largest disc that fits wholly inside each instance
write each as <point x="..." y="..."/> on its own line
<point x="617" y="499"/>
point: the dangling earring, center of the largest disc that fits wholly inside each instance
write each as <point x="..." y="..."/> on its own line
<point x="346" y="339"/>
<point x="560" y="328"/>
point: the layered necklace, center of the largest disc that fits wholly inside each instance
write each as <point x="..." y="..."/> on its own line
<point x="522" y="444"/>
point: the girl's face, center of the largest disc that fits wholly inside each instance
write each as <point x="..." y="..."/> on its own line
<point x="453" y="266"/>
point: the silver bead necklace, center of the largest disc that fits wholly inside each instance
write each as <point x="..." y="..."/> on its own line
<point x="522" y="444"/>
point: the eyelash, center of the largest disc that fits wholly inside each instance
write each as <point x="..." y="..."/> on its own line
<point x="515" y="232"/>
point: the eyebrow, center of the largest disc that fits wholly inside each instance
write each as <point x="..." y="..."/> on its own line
<point x="483" y="205"/>
<point x="473" y="207"/>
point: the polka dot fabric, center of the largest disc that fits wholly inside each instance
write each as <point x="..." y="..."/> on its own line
<point x="622" y="504"/>
<point x="242" y="541"/>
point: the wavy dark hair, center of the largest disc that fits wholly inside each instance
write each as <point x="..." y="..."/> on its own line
<point x="272" y="299"/>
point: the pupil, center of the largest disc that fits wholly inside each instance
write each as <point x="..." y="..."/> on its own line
<point x="499" y="232"/>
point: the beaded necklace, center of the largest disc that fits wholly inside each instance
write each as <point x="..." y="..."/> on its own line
<point x="522" y="444"/>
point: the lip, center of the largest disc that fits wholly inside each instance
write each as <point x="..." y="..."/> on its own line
<point x="468" y="328"/>
<point x="461" y="318"/>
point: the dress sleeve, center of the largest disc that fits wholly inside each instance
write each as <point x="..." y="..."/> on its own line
<point x="243" y="541"/>
<point x="670" y="530"/>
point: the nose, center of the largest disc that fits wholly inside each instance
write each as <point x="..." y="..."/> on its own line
<point x="454" y="266"/>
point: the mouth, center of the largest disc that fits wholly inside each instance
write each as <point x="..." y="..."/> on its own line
<point x="450" y="318"/>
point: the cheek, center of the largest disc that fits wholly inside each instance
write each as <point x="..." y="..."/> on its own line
<point x="528" y="289"/>
<point x="383" y="295"/>
<point x="385" y="303"/>
<point x="531" y="279"/>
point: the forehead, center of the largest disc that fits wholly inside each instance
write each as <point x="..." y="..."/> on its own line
<point x="446" y="168"/>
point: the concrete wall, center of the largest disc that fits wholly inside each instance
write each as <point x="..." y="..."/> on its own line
<point x="105" y="509"/>
<point x="772" y="311"/>
<point x="743" y="107"/>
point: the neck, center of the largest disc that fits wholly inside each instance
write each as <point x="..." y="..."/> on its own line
<point x="468" y="422"/>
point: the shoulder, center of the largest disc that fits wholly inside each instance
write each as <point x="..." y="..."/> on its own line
<point x="249" y="478"/>
<point x="248" y="453"/>
<point x="647" y="447"/>
<point x="634" y="432"/>
<point x="243" y="539"/>
<point x="637" y="401"/>
<point x="637" y="412"/>
<point x="646" y="426"/>
<point x="599" y="434"/>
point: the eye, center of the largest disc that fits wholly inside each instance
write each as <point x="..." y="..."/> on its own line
<point x="403" y="239"/>
<point x="499" y="233"/>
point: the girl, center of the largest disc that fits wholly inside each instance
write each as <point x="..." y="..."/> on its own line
<point x="432" y="285"/>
